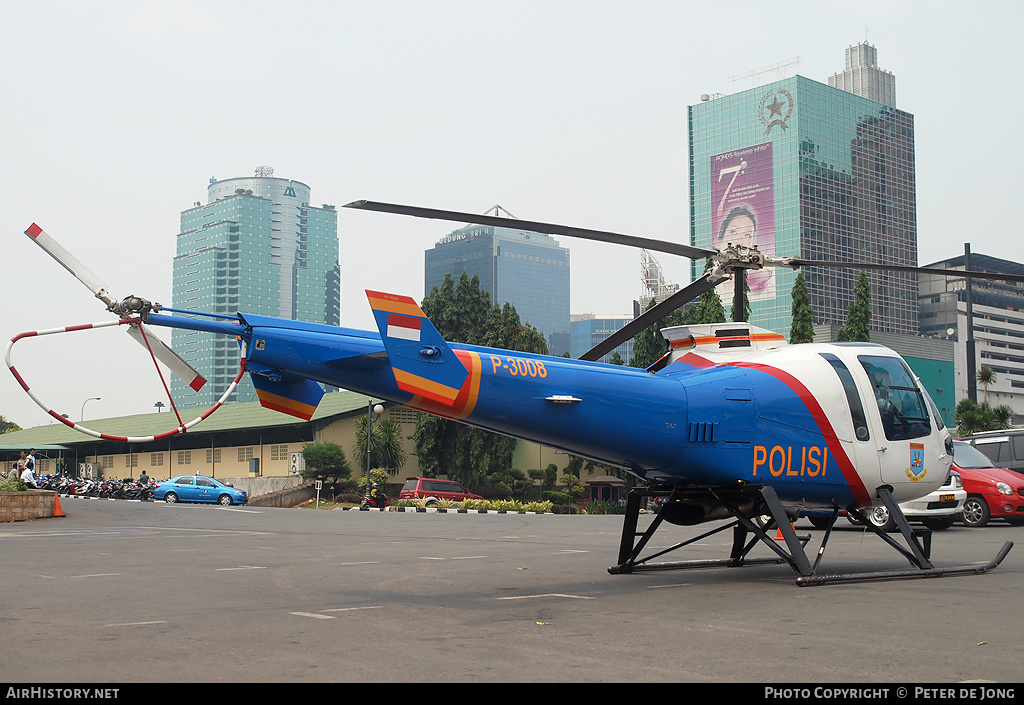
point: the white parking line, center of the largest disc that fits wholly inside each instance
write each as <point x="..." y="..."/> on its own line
<point x="134" y="624"/>
<point x="313" y="615"/>
<point x="550" y="594"/>
<point x="246" y="567"/>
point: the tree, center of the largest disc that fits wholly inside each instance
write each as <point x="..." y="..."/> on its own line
<point x="858" y="317"/>
<point x="463" y="313"/>
<point x="648" y="344"/>
<point x="802" y="329"/>
<point x="616" y="359"/>
<point x="986" y="376"/>
<point x="8" y="426"/>
<point x="326" y="462"/>
<point x="746" y="298"/>
<point x="972" y="417"/>
<point x="386" y="447"/>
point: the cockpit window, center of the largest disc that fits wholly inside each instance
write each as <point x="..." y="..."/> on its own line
<point x="939" y="423"/>
<point x="900" y="403"/>
<point x="860" y="424"/>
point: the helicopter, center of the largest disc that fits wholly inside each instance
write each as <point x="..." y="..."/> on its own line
<point x="733" y="423"/>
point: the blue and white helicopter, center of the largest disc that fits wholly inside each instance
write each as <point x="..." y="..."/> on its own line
<point x="732" y="423"/>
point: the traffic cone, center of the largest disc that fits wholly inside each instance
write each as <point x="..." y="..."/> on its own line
<point x="57" y="511"/>
<point x="778" y="533"/>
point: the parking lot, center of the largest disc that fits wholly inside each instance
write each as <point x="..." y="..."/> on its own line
<point x="123" y="591"/>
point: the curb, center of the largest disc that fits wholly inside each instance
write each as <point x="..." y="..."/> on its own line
<point x="436" y="510"/>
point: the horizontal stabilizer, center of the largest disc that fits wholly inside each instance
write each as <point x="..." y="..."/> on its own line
<point x="297" y="397"/>
<point x="421" y="359"/>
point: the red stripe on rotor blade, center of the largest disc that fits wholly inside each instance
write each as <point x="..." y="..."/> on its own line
<point x="198" y="383"/>
<point x="166" y="434"/>
<point x="27" y="334"/>
<point x="84" y="326"/>
<point x="60" y="418"/>
<point x="33" y="231"/>
<point x="18" y="377"/>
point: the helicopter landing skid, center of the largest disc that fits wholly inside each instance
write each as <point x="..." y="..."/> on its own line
<point x="918" y="540"/>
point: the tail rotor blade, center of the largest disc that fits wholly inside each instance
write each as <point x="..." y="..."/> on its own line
<point x="166" y="355"/>
<point x="70" y="263"/>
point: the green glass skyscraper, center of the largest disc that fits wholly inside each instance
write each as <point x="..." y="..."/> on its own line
<point x="804" y="169"/>
<point x="256" y="246"/>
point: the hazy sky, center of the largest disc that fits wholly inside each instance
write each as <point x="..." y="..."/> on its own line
<point x="117" y="114"/>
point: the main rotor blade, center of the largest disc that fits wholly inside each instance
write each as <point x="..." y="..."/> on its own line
<point x="537" y="227"/>
<point x="995" y="276"/>
<point x="652" y="316"/>
<point x="166" y="355"/>
<point x="69" y="262"/>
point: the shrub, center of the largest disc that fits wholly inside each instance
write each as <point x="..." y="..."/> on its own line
<point x="556" y="497"/>
<point x="12" y="484"/>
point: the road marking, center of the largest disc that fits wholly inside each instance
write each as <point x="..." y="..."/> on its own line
<point x="353" y="609"/>
<point x="134" y="624"/>
<point x="550" y="594"/>
<point x="360" y="563"/>
<point x="246" y="567"/>
<point x="570" y="550"/>
<point x="655" y="587"/>
<point x="313" y="615"/>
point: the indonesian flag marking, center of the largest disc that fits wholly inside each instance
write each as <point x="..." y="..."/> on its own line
<point x="404" y="327"/>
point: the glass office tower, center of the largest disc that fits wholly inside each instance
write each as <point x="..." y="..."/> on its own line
<point x="816" y="172"/>
<point x="256" y="246"/>
<point x="526" y="269"/>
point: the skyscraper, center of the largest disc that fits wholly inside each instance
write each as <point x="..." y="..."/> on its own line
<point x="256" y="246"/>
<point x="529" y="270"/>
<point x="811" y="171"/>
<point x="863" y="77"/>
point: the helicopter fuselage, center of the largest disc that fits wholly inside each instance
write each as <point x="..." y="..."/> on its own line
<point x="726" y="411"/>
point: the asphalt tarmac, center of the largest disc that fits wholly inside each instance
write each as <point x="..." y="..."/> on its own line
<point x="119" y="592"/>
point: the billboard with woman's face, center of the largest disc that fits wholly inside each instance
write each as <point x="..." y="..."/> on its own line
<point x="743" y="211"/>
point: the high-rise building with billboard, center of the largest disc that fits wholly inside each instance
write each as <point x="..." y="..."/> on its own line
<point x="803" y="169"/>
<point x="526" y="269"/>
<point x="256" y="246"/>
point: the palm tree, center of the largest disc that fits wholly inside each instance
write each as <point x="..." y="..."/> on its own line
<point x="985" y="378"/>
<point x="386" y="444"/>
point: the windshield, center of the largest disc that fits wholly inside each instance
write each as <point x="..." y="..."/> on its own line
<point x="900" y="402"/>
<point x="967" y="456"/>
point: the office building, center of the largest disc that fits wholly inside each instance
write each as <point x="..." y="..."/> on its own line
<point x="526" y="269"/>
<point x="256" y="246"/>
<point x="587" y="330"/>
<point x="863" y="77"/>
<point x="997" y="326"/>
<point x="803" y="169"/>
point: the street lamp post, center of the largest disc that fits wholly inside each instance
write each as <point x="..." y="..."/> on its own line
<point x="372" y="414"/>
<point x="82" y="415"/>
<point x="159" y="406"/>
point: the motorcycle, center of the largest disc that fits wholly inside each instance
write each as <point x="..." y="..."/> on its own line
<point x="371" y="503"/>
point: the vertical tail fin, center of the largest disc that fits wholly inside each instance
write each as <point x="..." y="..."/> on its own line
<point x="422" y="361"/>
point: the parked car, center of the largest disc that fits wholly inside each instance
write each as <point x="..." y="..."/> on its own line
<point x="937" y="510"/>
<point x="434" y="490"/>
<point x="199" y="488"/>
<point x="992" y="492"/>
<point x="1004" y="448"/>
